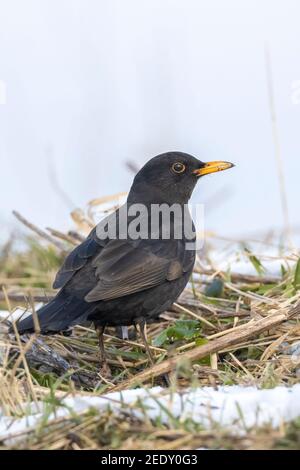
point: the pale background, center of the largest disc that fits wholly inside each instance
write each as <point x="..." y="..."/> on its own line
<point x="86" y="85"/>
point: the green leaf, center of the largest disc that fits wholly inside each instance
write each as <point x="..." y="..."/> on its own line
<point x="256" y="263"/>
<point x="161" y="339"/>
<point x="264" y="288"/>
<point x="297" y="276"/>
<point x="182" y="329"/>
<point x="283" y="270"/>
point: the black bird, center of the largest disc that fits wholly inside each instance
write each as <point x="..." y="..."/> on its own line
<point x="129" y="279"/>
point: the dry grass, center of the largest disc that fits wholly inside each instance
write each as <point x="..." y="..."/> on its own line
<point x="226" y="328"/>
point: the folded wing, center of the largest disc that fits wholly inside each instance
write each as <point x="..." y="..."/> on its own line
<point x="123" y="268"/>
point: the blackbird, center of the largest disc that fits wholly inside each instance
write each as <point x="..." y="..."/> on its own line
<point x="120" y="277"/>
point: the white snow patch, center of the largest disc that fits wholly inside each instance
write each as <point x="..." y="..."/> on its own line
<point x="18" y="313"/>
<point x="233" y="407"/>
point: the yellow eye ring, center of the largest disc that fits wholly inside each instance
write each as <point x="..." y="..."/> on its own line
<point x="178" y="167"/>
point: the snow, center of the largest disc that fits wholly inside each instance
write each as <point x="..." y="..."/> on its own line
<point x="18" y="313"/>
<point x="233" y="407"/>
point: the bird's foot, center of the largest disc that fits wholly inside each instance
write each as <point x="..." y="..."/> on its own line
<point x="105" y="370"/>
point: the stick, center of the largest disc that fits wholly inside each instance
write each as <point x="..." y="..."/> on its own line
<point x="244" y="333"/>
<point x="277" y="146"/>
<point x="63" y="236"/>
<point x="76" y="236"/>
<point x="39" y="232"/>
<point x="208" y="310"/>
<point x="235" y="277"/>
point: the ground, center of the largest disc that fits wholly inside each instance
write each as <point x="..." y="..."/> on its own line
<point x="229" y="327"/>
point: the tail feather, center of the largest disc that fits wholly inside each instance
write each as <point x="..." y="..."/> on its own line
<point x="60" y="314"/>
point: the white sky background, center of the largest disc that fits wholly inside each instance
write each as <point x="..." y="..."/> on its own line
<point x="92" y="84"/>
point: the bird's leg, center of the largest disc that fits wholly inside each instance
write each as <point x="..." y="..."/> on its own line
<point x="104" y="367"/>
<point x="140" y="326"/>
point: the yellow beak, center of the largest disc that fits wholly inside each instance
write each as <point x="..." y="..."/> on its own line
<point x="212" y="167"/>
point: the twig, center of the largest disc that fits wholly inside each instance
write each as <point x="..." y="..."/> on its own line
<point x="245" y="332"/>
<point x="39" y="232"/>
<point x="194" y="315"/>
<point x="236" y="277"/>
<point x="208" y="310"/>
<point x="76" y="236"/>
<point x="22" y="352"/>
<point x="278" y="156"/>
<point x="63" y="236"/>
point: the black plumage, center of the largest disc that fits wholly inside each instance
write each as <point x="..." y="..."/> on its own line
<point x="115" y="281"/>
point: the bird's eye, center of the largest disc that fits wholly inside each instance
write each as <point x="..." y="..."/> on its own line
<point x="178" y="167"/>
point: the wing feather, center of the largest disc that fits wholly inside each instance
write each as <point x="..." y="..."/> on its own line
<point x="124" y="268"/>
<point x="76" y="260"/>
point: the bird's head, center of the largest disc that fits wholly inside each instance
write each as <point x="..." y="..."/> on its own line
<point x="170" y="178"/>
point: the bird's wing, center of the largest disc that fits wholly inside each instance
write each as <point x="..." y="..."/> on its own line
<point x="77" y="259"/>
<point x="125" y="267"/>
<point x="84" y="252"/>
